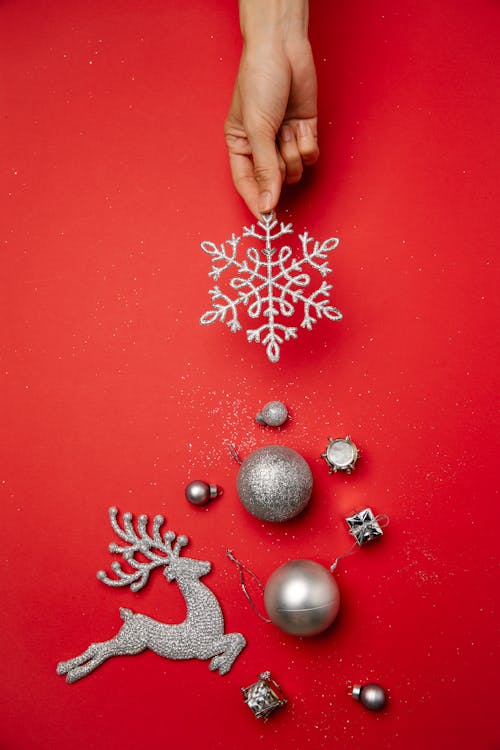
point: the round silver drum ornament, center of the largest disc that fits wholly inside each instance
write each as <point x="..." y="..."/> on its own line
<point x="341" y="455"/>
<point x="274" y="483"/>
<point x="302" y="598"/>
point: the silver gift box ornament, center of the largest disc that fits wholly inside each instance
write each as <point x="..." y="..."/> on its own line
<point x="364" y="526"/>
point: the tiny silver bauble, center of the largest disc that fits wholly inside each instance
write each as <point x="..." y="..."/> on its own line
<point x="273" y="414"/>
<point x="372" y="696"/>
<point x="199" y="492"/>
<point x="341" y="455"/>
<point x="302" y="597"/>
<point x="274" y="483"/>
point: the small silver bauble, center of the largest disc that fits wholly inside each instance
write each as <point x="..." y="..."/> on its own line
<point x="302" y="597"/>
<point x="273" y="414"/>
<point x="372" y="696"/>
<point x="274" y="483"/>
<point x="199" y="492"/>
<point x="341" y="454"/>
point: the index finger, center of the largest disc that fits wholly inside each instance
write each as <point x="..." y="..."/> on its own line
<point x="242" y="173"/>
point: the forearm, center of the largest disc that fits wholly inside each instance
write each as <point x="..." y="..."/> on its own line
<point x="279" y="21"/>
<point x="271" y="126"/>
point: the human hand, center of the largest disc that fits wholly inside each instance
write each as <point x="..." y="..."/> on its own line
<point x="271" y="128"/>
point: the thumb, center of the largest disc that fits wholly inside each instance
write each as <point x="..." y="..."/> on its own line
<point x="266" y="167"/>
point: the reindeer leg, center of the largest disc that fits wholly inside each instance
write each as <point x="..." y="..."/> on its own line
<point x="79" y="667"/>
<point x="227" y="649"/>
<point x="64" y="666"/>
<point x="129" y="640"/>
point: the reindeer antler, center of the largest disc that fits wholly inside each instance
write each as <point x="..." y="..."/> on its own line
<point x="140" y="541"/>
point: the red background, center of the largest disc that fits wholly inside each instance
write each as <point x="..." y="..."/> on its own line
<point x="113" y="170"/>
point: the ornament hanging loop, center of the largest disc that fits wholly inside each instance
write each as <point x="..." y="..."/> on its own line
<point x="242" y="569"/>
<point x="234" y="453"/>
<point x="383" y="520"/>
<point x="334" y="564"/>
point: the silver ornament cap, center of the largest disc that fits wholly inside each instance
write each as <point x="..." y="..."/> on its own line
<point x="302" y="598"/>
<point x="273" y="414"/>
<point x="341" y="455"/>
<point x="274" y="483"/>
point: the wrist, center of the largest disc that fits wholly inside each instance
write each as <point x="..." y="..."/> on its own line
<point x="275" y="21"/>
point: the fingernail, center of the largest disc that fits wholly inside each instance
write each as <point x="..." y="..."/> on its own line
<point x="265" y="202"/>
<point x="303" y="128"/>
<point x="286" y="133"/>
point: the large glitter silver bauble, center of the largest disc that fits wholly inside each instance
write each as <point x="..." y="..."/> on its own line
<point x="274" y="483"/>
<point x="302" y="597"/>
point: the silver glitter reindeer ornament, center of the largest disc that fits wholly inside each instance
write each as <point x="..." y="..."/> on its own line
<point x="200" y="636"/>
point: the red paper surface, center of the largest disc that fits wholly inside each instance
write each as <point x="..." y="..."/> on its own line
<point x="113" y="170"/>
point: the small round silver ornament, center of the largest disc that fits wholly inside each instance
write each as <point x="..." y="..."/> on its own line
<point x="274" y="483"/>
<point x="341" y="454"/>
<point x="199" y="492"/>
<point x="273" y="414"/>
<point x="302" y="598"/>
<point x="371" y="696"/>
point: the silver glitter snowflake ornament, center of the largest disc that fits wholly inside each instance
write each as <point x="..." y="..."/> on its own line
<point x="200" y="636"/>
<point x="270" y="283"/>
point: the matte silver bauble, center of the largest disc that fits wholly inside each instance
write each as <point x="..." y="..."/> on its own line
<point x="199" y="492"/>
<point x="372" y="696"/>
<point x="273" y="414"/>
<point x="274" y="483"/>
<point x="302" y="597"/>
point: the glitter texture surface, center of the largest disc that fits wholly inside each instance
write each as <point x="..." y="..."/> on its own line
<point x="274" y="483"/>
<point x="200" y="636"/>
<point x="273" y="414"/>
<point x="269" y="283"/>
